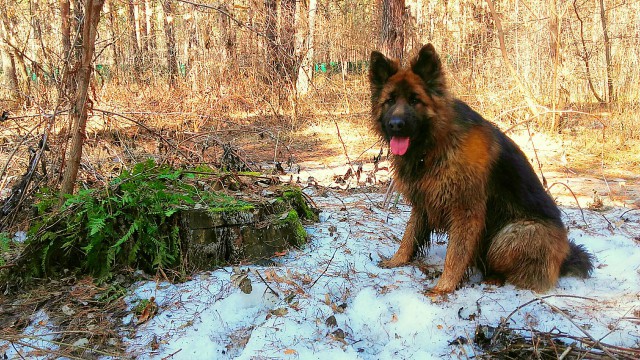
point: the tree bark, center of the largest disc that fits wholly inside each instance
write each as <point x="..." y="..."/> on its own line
<point x="607" y="52"/>
<point x="78" y="113"/>
<point x="392" y="29"/>
<point x="65" y="35"/>
<point x="172" y="53"/>
<point x="116" y="46"/>
<point x="555" y="30"/>
<point x="305" y="73"/>
<point x="228" y="37"/>
<point x="528" y="97"/>
<point x="271" y="34"/>
<point x="134" y="37"/>
<point x="585" y="54"/>
<point x="149" y="27"/>
<point x="9" y="76"/>
<point x="288" y="61"/>
<point x="8" y="37"/>
<point x="144" y="31"/>
<point x="65" y="27"/>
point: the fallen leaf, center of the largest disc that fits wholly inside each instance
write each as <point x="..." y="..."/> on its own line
<point x="240" y="278"/>
<point x="67" y="310"/>
<point x="290" y="352"/>
<point x="279" y="311"/>
<point x="394" y="318"/>
<point x="149" y="311"/>
<point x="81" y="342"/>
<point x="331" y="321"/>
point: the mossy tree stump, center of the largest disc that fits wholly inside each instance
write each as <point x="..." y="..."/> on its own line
<point x="252" y="231"/>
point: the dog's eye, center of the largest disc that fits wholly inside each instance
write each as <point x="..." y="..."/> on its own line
<point x="390" y="101"/>
<point x="414" y="100"/>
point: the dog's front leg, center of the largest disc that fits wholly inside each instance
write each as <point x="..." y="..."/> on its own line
<point x="467" y="226"/>
<point x="414" y="234"/>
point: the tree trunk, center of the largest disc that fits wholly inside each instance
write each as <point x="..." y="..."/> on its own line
<point x="288" y="61"/>
<point x="8" y="36"/>
<point x="228" y="37"/>
<point x="271" y="34"/>
<point x="143" y="30"/>
<point x="65" y="27"/>
<point x="585" y="54"/>
<point x="392" y="29"/>
<point x="555" y="30"/>
<point x="172" y="58"/>
<point x="607" y="52"/>
<point x="9" y="77"/>
<point x="528" y="97"/>
<point x="65" y="34"/>
<point x="149" y="27"/>
<point x="116" y="46"/>
<point x="78" y="113"/>
<point x="305" y="73"/>
<point x="134" y="37"/>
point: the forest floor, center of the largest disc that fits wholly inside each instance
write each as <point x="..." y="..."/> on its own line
<point x="378" y="313"/>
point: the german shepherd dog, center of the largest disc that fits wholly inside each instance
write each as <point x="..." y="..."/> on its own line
<point x="467" y="179"/>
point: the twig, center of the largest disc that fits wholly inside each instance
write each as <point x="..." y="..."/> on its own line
<point x="327" y="267"/>
<point x="535" y="152"/>
<point x="16" y="147"/>
<point x="574" y="197"/>
<point x="602" y="164"/>
<point x="521" y="306"/>
<point x="333" y="255"/>
<point x="630" y="210"/>
<point x="265" y="283"/>
<point x="146" y="128"/>
<point x="172" y="354"/>
<point x="344" y="147"/>
<point x="390" y="190"/>
<point x="596" y="342"/>
<point x="309" y="199"/>
<point x="565" y="352"/>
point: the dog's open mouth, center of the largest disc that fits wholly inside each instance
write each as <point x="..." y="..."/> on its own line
<point x="399" y="145"/>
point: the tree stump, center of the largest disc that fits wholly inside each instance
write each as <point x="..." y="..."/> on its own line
<point x="216" y="236"/>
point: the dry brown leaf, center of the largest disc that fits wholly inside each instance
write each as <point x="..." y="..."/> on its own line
<point x="394" y="318"/>
<point x="149" y="311"/>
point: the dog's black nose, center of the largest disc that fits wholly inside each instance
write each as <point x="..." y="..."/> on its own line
<point x="396" y="124"/>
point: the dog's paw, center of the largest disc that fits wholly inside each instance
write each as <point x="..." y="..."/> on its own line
<point x="443" y="287"/>
<point x="390" y="263"/>
<point x="436" y="296"/>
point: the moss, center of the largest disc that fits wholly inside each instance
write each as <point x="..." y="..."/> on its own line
<point x="299" y="233"/>
<point x="231" y="208"/>
<point x="139" y="308"/>
<point x="220" y="202"/>
<point x="250" y="173"/>
<point x="294" y="197"/>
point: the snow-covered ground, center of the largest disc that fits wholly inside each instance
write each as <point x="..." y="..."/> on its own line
<point x="330" y="300"/>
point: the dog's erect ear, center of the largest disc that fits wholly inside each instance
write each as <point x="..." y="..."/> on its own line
<point x="428" y="66"/>
<point x="381" y="69"/>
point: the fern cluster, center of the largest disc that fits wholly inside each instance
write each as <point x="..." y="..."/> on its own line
<point x="130" y="222"/>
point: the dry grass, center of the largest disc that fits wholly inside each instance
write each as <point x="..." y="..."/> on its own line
<point x="86" y="318"/>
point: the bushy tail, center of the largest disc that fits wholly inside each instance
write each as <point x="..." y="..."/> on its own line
<point x="578" y="263"/>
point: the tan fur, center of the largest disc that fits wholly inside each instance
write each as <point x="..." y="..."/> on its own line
<point x="530" y="253"/>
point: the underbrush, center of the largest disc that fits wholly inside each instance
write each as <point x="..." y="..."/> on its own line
<point x="131" y="222"/>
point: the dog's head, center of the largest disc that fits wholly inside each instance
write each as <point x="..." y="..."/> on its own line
<point x="407" y="102"/>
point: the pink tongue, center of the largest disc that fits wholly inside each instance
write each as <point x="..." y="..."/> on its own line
<point x="399" y="145"/>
